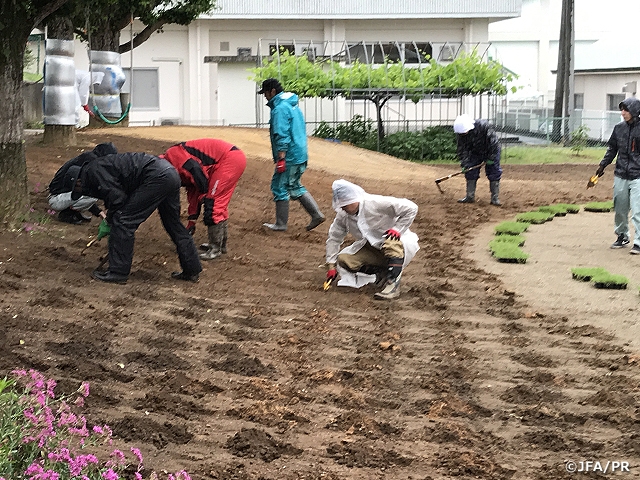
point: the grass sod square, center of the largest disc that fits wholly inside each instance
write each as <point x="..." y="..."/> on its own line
<point x="515" y="239"/>
<point x="557" y="210"/>
<point x="585" y="274"/>
<point x="508" y="253"/>
<point x="569" y="207"/>
<point x="534" y="217"/>
<point x="608" y="280"/>
<point x="511" y="228"/>
<point x="599" y="206"/>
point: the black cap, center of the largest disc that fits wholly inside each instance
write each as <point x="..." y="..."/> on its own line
<point x="269" y="84"/>
<point x="70" y="180"/>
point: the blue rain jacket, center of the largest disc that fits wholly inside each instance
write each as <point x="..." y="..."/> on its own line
<point x="287" y="128"/>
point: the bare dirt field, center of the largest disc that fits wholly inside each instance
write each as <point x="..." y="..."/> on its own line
<point x="256" y="373"/>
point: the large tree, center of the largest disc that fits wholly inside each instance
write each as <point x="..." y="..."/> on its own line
<point x="17" y="19"/>
<point x="101" y="21"/>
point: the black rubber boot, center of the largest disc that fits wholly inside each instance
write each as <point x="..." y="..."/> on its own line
<point x="216" y="238"/>
<point x="223" y="247"/>
<point x="471" y="192"/>
<point x="494" y="186"/>
<point x="310" y="205"/>
<point x="282" y="217"/>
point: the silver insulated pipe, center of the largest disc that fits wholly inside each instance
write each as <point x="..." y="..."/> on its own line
<point x="106" y="94"/>
<point x="59" y="92"/>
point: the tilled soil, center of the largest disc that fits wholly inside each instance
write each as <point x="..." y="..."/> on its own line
<point x="256" y="373"/>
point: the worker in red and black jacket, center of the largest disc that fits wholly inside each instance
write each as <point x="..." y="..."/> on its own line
<point x="210" y="170"/>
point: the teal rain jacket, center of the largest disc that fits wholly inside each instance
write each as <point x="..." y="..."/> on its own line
<point x="287" y="128"/>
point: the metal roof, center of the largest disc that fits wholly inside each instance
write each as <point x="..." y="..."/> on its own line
<point x="365" y="9"/>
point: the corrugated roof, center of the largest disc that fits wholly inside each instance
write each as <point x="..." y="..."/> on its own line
<point x="344" y="9"/>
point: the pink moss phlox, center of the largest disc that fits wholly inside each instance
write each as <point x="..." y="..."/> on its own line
<point x="76" y="465"/>
<point x="109" y="474"/>
<point x="118" y="459"/>
<point x="84" y="389"/>
<point x="36" y="472"/>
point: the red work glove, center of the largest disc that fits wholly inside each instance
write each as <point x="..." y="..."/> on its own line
<point x="281" y="166"/>
<point x="332" y="274"/>
<point x="392" y="234"/>
<point x="191" y="227"/>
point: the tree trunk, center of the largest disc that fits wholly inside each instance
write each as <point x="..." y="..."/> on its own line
<point x="13" y="167"/>
<point x="60" y="28"/>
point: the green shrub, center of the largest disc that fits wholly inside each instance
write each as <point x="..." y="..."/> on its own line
<point x="534" y="217"/>
<point x="586" y="273"/>
<point x="579" y="139"/>
<point x="511" y="228"/>
<point x="434" y="143"/>
<point x="599" y="206"/>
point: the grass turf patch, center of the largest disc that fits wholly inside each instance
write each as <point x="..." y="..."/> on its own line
<point x="599" y="206"/>
<point x="557" y="210"/>
<point x="511" y="228"/>
<point x="608" y="280"/>
<point x="600" y="277"/>
<point x="534" y="217"/>
<point x="586" y="273"/>
<point x="508" y="252"/>
<point x="569" y="207"/>
<point x="515" y="239"/>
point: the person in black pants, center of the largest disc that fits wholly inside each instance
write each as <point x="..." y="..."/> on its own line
<point x="133" y="186"/>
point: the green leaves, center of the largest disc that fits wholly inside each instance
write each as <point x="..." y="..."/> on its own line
<point x="467" y="74"/>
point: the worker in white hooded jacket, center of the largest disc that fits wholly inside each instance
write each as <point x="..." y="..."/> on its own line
<point x="383" y="245"/>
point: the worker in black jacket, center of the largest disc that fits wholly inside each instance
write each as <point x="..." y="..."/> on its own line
<point x="70" y="211"/>
<point x="477" y="143"/>
<point x="133" y="186"/>
<point x="625" y="144"/>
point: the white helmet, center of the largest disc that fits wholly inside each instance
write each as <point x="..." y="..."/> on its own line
<point x="463" y="123"/>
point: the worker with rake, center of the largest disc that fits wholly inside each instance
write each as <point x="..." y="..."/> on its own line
<point x="383" y="245"/>
<point x="625" y="144"/>
<point x="478" y="144"/>
<point x="209" y="170"/>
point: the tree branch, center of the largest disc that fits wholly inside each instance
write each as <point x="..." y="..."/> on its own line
<point x="48" y="9"/>
<point x="143" y="36"/>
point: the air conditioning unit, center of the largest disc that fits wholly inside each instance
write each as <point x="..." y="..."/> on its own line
<point x="169" y="121"/>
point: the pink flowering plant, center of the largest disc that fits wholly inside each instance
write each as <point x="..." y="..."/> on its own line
<point x="44" y="438"/>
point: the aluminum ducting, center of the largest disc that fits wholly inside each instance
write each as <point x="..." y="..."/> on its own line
<point x="59" y="92"/>
<point x="106" y="95"/>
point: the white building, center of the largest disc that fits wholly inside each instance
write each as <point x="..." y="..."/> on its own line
<point x="605" y="58"/>
<point x="199" y="75"/>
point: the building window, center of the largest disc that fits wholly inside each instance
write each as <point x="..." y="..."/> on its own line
<point x="578" y="101"/>
<point x="377" y="52"/>
<point x="613" y="100"/>
<point x="143" y="88"/>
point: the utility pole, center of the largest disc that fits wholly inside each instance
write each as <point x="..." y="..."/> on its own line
<point x="563" y="102"/>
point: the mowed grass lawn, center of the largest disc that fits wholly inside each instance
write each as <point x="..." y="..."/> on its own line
<point x="527" y="155"/>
